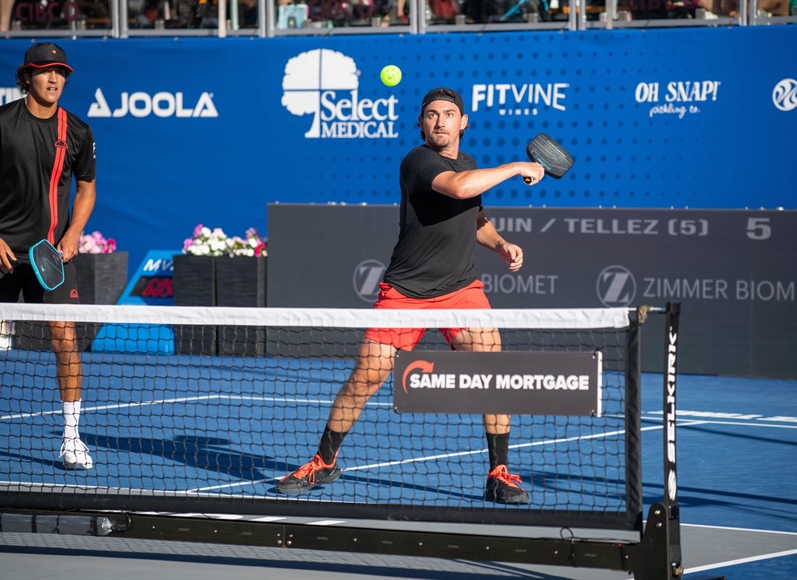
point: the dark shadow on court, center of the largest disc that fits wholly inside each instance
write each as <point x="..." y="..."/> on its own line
<point x="747" y="497"/>
<point x="688" y="497"/>
<point x="55" y="463"/>
<point x="207" y="453"/>
<point x="756" y="506"/>
<point x="193" y="450"/>
<point x="563" y="483"/>
<point x="718" y="432"/>
<point x="388" y="483"/>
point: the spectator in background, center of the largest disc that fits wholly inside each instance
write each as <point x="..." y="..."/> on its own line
<point x="731" y="7"/>
<point x="774" y="7"/>
<point x="391" y="12"/>
<point x="720" y="7"/>
<point x="6" y="8"/>
<point x="42" y="147"/>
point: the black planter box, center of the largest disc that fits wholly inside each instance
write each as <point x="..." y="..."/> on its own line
<point x="238" y="281"/>
<point x="241" y="282"/>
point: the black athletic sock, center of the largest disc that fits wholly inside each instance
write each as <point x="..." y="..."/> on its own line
<point x="498" y="447"/>
<point x="329" y="444"/>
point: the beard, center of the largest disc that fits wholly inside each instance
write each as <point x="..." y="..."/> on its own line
<point x="439" y="140"/>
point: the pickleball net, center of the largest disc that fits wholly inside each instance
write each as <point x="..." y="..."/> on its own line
<point x="205" y="409"/>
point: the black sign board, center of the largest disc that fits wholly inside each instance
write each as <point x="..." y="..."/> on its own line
<point x="511" y="383"/>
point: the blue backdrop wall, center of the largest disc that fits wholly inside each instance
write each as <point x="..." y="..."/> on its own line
<point x="206" y="130"/>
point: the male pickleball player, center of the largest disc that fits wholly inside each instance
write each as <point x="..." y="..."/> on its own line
<point x="42" y="147"/>
<point x="433" y="266"/>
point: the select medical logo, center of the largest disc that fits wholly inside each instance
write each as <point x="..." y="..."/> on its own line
<point x="784" y="95"/>
<point x="161" y="104"/>
<point x="324" y="84"/>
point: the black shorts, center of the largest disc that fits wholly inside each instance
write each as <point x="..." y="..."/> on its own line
<point x="23" y="280"/>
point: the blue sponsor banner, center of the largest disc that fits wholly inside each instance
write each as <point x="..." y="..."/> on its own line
<point x="151" y="284"/>
<point x="207" y="130"/>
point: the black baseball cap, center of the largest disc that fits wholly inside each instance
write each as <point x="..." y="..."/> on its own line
<point x="46" y="54"/>
<point x="443" y="94"/>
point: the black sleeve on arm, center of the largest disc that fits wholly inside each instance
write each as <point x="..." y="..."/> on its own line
<point x="84" y="168"/>
<point x="421" y="166"/>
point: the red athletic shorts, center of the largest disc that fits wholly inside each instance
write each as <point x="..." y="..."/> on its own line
<point x="471" y="296"/>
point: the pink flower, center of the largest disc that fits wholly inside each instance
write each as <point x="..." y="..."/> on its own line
<point x="207" y="242"/>
<point x="95" y="243"/>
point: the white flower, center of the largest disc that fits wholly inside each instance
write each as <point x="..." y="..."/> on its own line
<point x="207" y="242"/>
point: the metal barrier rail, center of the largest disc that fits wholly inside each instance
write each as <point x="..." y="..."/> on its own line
<point x="141" y="18"/>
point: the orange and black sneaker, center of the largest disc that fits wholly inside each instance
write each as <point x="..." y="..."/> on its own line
<point x="502" y="487"/>
<point x="309" y="476"/>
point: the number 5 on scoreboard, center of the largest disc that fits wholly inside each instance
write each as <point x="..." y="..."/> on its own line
<point x="758" y="228"/>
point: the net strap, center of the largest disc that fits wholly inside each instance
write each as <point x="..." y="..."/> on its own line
<point x="545" y="318"/>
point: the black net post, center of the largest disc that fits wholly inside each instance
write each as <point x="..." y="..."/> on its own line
<point x="672" y="510"/>
<point x="633" y="435"/>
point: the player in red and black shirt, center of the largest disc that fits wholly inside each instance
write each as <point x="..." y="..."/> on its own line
<point x="42" y="147"/>
<point x="433" y="266"/>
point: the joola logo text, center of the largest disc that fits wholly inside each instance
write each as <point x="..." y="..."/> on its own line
<point x="162" y="104"/>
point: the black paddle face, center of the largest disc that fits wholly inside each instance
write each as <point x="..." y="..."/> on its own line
<point x="48" y="264"/>
<point x="544" y="150"/>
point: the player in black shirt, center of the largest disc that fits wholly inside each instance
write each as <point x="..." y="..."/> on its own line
<point x="433" y="266"/>
<point x="42" y="147"/>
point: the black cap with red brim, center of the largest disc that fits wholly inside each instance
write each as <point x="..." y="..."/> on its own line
<point x="46" y="54"/>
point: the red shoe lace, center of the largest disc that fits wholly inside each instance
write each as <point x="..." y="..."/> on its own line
<point x="501" y="473"/>
<point x="308" y="469"/>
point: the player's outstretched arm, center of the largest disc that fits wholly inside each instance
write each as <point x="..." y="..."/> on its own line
<point x="467" y="184"/>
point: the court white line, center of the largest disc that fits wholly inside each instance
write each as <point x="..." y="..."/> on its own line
<point x="773" y="426"/>
<point x="733" y="529"/>
<point x="88" y="409"/>
<point x="740" y="561"/>
<point x="91" y="408"/>
<point x="734" y="423"/>
<point x="232" y="485"/>
<point x="729" y="419"/>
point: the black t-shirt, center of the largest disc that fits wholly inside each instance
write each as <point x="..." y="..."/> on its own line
<point x="27" y="154"/>
<point x="436" y="250"/>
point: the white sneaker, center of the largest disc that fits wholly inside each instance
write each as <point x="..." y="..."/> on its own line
<point x="75" y="454"/>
